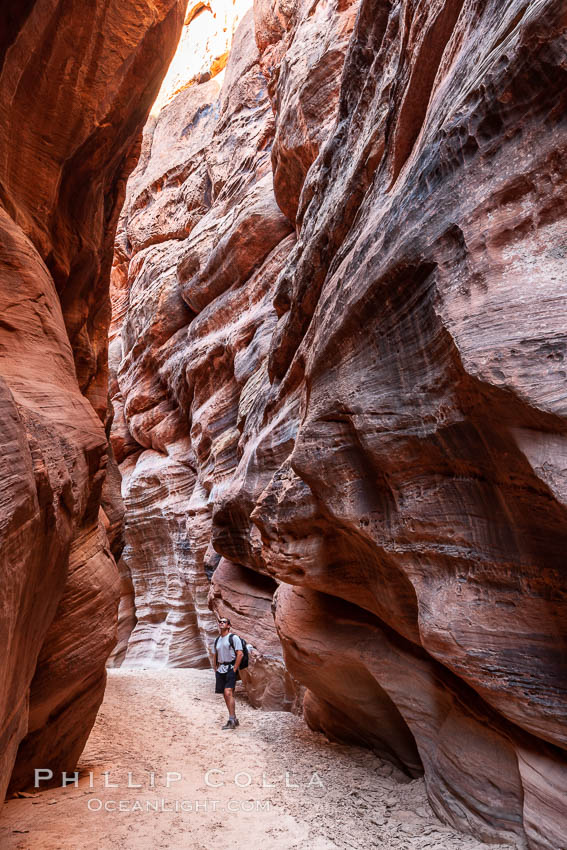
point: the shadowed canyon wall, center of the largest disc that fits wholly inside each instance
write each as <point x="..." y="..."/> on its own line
<point x="76" y="84"/>
<point x="338" y="374"/>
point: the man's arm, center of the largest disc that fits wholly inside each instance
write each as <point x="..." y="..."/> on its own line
<point x="239" y="655"/>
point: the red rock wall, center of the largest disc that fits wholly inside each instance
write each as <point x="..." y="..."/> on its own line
<point x="420" y="315"/>
<point x="345" y="316"/>
<point x="199" y="248"/>
<point x="76" y="84"/>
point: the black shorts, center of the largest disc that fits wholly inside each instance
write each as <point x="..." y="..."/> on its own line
<point x="225" y="680"/>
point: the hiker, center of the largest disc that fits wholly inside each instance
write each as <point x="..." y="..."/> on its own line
<point x="227" y="662"/>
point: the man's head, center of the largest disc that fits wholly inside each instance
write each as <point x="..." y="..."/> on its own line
<point x="224" y="625"/>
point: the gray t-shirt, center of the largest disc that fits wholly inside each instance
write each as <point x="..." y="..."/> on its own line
<point x="225" y="655"/>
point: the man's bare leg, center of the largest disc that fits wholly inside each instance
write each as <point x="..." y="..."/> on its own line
<point x="229" y="699"/>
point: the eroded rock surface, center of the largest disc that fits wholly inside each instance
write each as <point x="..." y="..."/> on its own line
<point x="201" y="243"/>
<point x="342" y="307"/>
<point x="76" y="85"/>
<point x="429" y="461"/>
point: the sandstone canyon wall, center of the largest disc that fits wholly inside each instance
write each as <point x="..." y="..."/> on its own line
<point x="199" y="248"/>
<point x="338" y="374"/>
<point x="76" y="84"/>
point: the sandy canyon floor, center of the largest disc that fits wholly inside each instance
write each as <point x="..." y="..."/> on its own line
<point x="270" y="784"/>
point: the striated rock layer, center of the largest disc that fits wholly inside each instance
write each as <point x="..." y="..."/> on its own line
<point x="200" y="245"/>
<point x="340" y="288"/>
<point x="76" y="85"/>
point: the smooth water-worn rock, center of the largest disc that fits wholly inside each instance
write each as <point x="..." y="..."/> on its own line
<point x="76" y="84"/>
<point x="199" y="248"/>
<point x="340" y="290"/>
<point x="420" y="315"/>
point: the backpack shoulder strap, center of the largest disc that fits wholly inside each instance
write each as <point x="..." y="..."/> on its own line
<point x="216" y="641"/>
<point x="231" y="641"/>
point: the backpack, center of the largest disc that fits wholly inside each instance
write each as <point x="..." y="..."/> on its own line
<point x="244" y="662"/>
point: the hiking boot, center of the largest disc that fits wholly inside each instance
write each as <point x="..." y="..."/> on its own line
<point x="230" y="724"/>
<point x="236" y="721"/>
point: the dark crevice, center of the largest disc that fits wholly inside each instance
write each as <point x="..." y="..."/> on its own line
<point x="425" y="64"/>
<point x="12" y="21"/>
